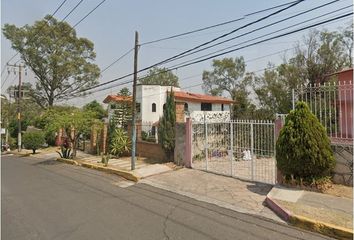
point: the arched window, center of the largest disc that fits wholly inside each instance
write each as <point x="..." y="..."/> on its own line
<point x="153" y="107"/>
<point x="186" y="107"/>
<point x="164" y="106"/>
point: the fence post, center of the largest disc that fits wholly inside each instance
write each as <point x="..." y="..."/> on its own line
<point x="252" y="151"/>
<point x="206" y="145"/>
<point x="232" y="147"/>
<point x="188" y="144"/>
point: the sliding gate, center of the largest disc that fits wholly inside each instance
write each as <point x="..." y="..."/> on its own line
<point x="243" y="149"/>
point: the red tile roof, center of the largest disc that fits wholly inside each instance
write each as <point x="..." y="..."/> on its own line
<point x="194" y="97"/>
<point x="117" y="98"/>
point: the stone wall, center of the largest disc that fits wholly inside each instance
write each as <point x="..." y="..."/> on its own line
<point x="343" y="173"/>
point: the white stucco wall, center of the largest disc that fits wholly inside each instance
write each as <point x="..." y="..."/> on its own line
<point x="146" y="95"/>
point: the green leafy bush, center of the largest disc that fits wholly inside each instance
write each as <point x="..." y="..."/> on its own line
<point x="120" y="142"/>
<point x="33" y="140"/>
<point x="303" y="148"/>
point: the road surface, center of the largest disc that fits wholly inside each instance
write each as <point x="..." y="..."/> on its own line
<point x="45" y="199"/>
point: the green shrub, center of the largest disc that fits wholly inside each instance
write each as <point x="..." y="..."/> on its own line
<point x="120" y="142"/>
<point x="144" y="135"/>
<point x="33" y="140"/>
<point x="303" y="148"/>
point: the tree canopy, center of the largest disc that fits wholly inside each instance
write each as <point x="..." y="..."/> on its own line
<point x="229" y="75"/>
<point x="62" y="62"/>
<point x="96" y="108"/>
<point x="160" y="76"/>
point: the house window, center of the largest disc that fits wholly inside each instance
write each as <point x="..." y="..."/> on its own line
<point x="137" y="106"/>
<point x="205" y="107"/>
<point x="186" y="107"/>
<point x="222" y="107"/>
<point x="164" y="107"/>
<point x="153" y="107"/>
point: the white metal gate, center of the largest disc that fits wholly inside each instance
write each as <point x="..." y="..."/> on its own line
<point x="243" y="149"/>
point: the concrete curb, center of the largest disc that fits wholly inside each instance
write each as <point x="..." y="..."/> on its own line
<point x="309" y="224"/>
<point x="125" y="174"/>
<point x="68" y="161"/>
<point x="281" y="212"/>
<point x="321" y="227"/>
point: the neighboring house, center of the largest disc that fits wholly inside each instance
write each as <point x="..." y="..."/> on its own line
<point x="151" y="99"/>
<point x="345" y="102"/>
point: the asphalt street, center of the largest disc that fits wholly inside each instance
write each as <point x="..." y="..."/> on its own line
<point x="45" y="199"/>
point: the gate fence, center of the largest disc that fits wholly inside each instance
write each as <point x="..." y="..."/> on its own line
<point x="332" y="103"/>
<point x="243" y="149"/>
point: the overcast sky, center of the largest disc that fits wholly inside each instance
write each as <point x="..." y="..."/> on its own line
<point x="111" y="28"/>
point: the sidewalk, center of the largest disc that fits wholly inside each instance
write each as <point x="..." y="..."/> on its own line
<point x="231" y="193"/>
<point x="329" y="215"/>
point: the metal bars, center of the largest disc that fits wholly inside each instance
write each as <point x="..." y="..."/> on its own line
<point x="332" y="104"/>
<point x="242" y="148"/>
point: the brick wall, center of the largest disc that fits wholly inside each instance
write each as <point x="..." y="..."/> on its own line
<point x="180" y="144"/>
<point x="151" y="150"/>
<point x="179" y="112"/>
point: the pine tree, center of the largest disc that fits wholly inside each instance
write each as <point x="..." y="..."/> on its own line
<point x="303" y="148"/>
<point x="167" y="125"/>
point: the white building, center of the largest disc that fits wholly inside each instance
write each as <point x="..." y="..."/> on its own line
<point x="151" y="99"/>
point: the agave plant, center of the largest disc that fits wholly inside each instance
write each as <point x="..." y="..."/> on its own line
<point x="120" y="142"/>
<point x="64" y="152"/>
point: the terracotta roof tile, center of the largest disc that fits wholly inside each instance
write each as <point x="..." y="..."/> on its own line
<point x="194" y="97"/>
<point x="117" y="98"/>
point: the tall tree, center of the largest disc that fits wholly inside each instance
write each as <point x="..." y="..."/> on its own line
<point x="321" y="54"/>
<point x="124" y="92"/>
<point x="273" y="91"/>
<point x="62" y="62"/>
<point x="229" y="76"/>
<point x="160" y="76"/>
<point x="96" y="108"/>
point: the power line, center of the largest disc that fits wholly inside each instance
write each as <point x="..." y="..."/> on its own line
<point x="226" y="34"/>
<point x="255" y="30"/>
<point x="233" y="50"/>
<point x="89" y="13"/>
<point x="203" y="44"/>
<point x="215" y="25"/>
<point x="265" y="40"/>
<point x="115" y="61"/>
<point x="194" y="59"/>
<point x="72" y="10"/>
<point x="56" y="10"/>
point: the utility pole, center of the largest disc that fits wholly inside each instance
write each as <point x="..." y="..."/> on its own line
<point x="136" y="46"/>
<point x="19" y="135"/>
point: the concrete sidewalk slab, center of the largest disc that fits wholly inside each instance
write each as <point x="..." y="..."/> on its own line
<point x="150" y="170"/>
<point x="285" y="194"/>
<point x="323" y="213"/>
<point x="227" y="192"/>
